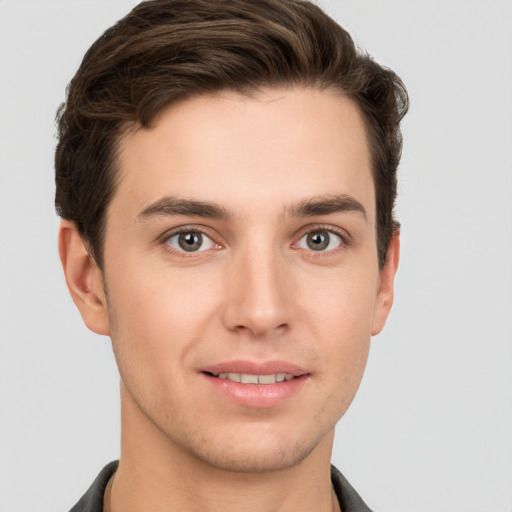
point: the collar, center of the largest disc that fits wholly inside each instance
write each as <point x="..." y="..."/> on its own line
<point x="92" y="500"/>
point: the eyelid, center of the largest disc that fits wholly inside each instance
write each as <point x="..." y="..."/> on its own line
<point x="345" y="237"/>
<point x="191" y="228"/>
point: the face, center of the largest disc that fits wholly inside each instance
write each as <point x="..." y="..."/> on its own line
<point x="241" y="275"/>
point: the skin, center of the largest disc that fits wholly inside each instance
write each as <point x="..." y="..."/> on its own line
<point x="255" y="291"/>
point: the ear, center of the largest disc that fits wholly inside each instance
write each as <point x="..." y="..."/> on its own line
<point x="385" y="291"/>
<point x="84" y="278"/>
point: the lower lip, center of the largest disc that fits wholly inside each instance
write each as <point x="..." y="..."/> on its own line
<point x="257" y="395"/>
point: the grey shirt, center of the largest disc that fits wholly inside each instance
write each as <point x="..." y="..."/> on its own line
<point x="92" y="500"/>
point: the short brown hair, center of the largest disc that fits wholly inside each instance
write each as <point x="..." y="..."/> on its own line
<point x="168" y="50"/>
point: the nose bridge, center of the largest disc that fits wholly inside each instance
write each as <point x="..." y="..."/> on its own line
<point x="257" y="299"/>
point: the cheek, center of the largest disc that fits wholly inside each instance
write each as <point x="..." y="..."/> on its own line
<point x="342" y="304"/>
<point x="341" y="318"/>
<point x="156" y="311"/>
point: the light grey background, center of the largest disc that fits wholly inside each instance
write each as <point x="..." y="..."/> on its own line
<point x="431" y="427"/>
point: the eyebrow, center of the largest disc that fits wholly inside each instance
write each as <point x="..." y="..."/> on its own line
<point x="173" y="206"/>
<point x="323" y="205"/>
<point x="326" y="205"/>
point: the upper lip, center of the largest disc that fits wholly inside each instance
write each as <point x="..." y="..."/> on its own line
<point x="255" y="368"/>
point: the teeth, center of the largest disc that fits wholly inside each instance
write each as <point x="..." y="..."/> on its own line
<point x="267" y="379"/>
<point x="247" y="378"/>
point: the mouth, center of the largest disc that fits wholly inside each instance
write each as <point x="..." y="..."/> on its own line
<point x="250" y="378"/>
<point x="259" y="385"/>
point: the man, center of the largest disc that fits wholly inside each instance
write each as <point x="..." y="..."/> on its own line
<point x="226" y="174"/>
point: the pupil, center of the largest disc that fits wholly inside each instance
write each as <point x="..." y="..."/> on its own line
<point x="318" y="241"/>
<point x="190" y="241"/>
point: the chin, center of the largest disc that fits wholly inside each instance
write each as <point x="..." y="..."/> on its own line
<point x="245" y="459"/>
<point x="253" y="450"/>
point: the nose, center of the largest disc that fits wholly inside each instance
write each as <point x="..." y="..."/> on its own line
<point x="258" y="294"/>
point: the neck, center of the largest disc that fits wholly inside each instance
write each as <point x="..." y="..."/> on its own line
<point x="156" y="474"/>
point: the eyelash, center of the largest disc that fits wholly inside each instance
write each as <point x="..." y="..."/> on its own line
<point x="345" y="240"/>
<point x="166" y="237"/>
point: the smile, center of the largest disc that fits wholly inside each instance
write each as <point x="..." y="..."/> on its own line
<point x="248" y="378"/>
<point x="256" y="385"/>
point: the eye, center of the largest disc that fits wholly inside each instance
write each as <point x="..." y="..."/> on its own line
<point x="190" y="241"/>
<point x="320" y="240"/>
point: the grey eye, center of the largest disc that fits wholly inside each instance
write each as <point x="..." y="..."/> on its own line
<point x="320" y="240"/>
<point x="190" y="241"/>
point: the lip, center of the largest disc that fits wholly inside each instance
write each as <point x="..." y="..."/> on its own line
<point x="256" y="395"/>
<point x="255" y="368"/>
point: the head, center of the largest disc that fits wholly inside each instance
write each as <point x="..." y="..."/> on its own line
<point x="165" y="51"/>
<point x="227" y="172"/>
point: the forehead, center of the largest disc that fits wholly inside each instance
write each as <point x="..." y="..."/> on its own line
<point x="272" y="147"/>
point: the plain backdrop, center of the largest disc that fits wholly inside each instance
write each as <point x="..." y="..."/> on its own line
<point x="431" y="427"/>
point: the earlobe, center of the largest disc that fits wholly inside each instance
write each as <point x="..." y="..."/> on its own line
<point x="385" y="292"/>
<point x="84" y="279"/>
